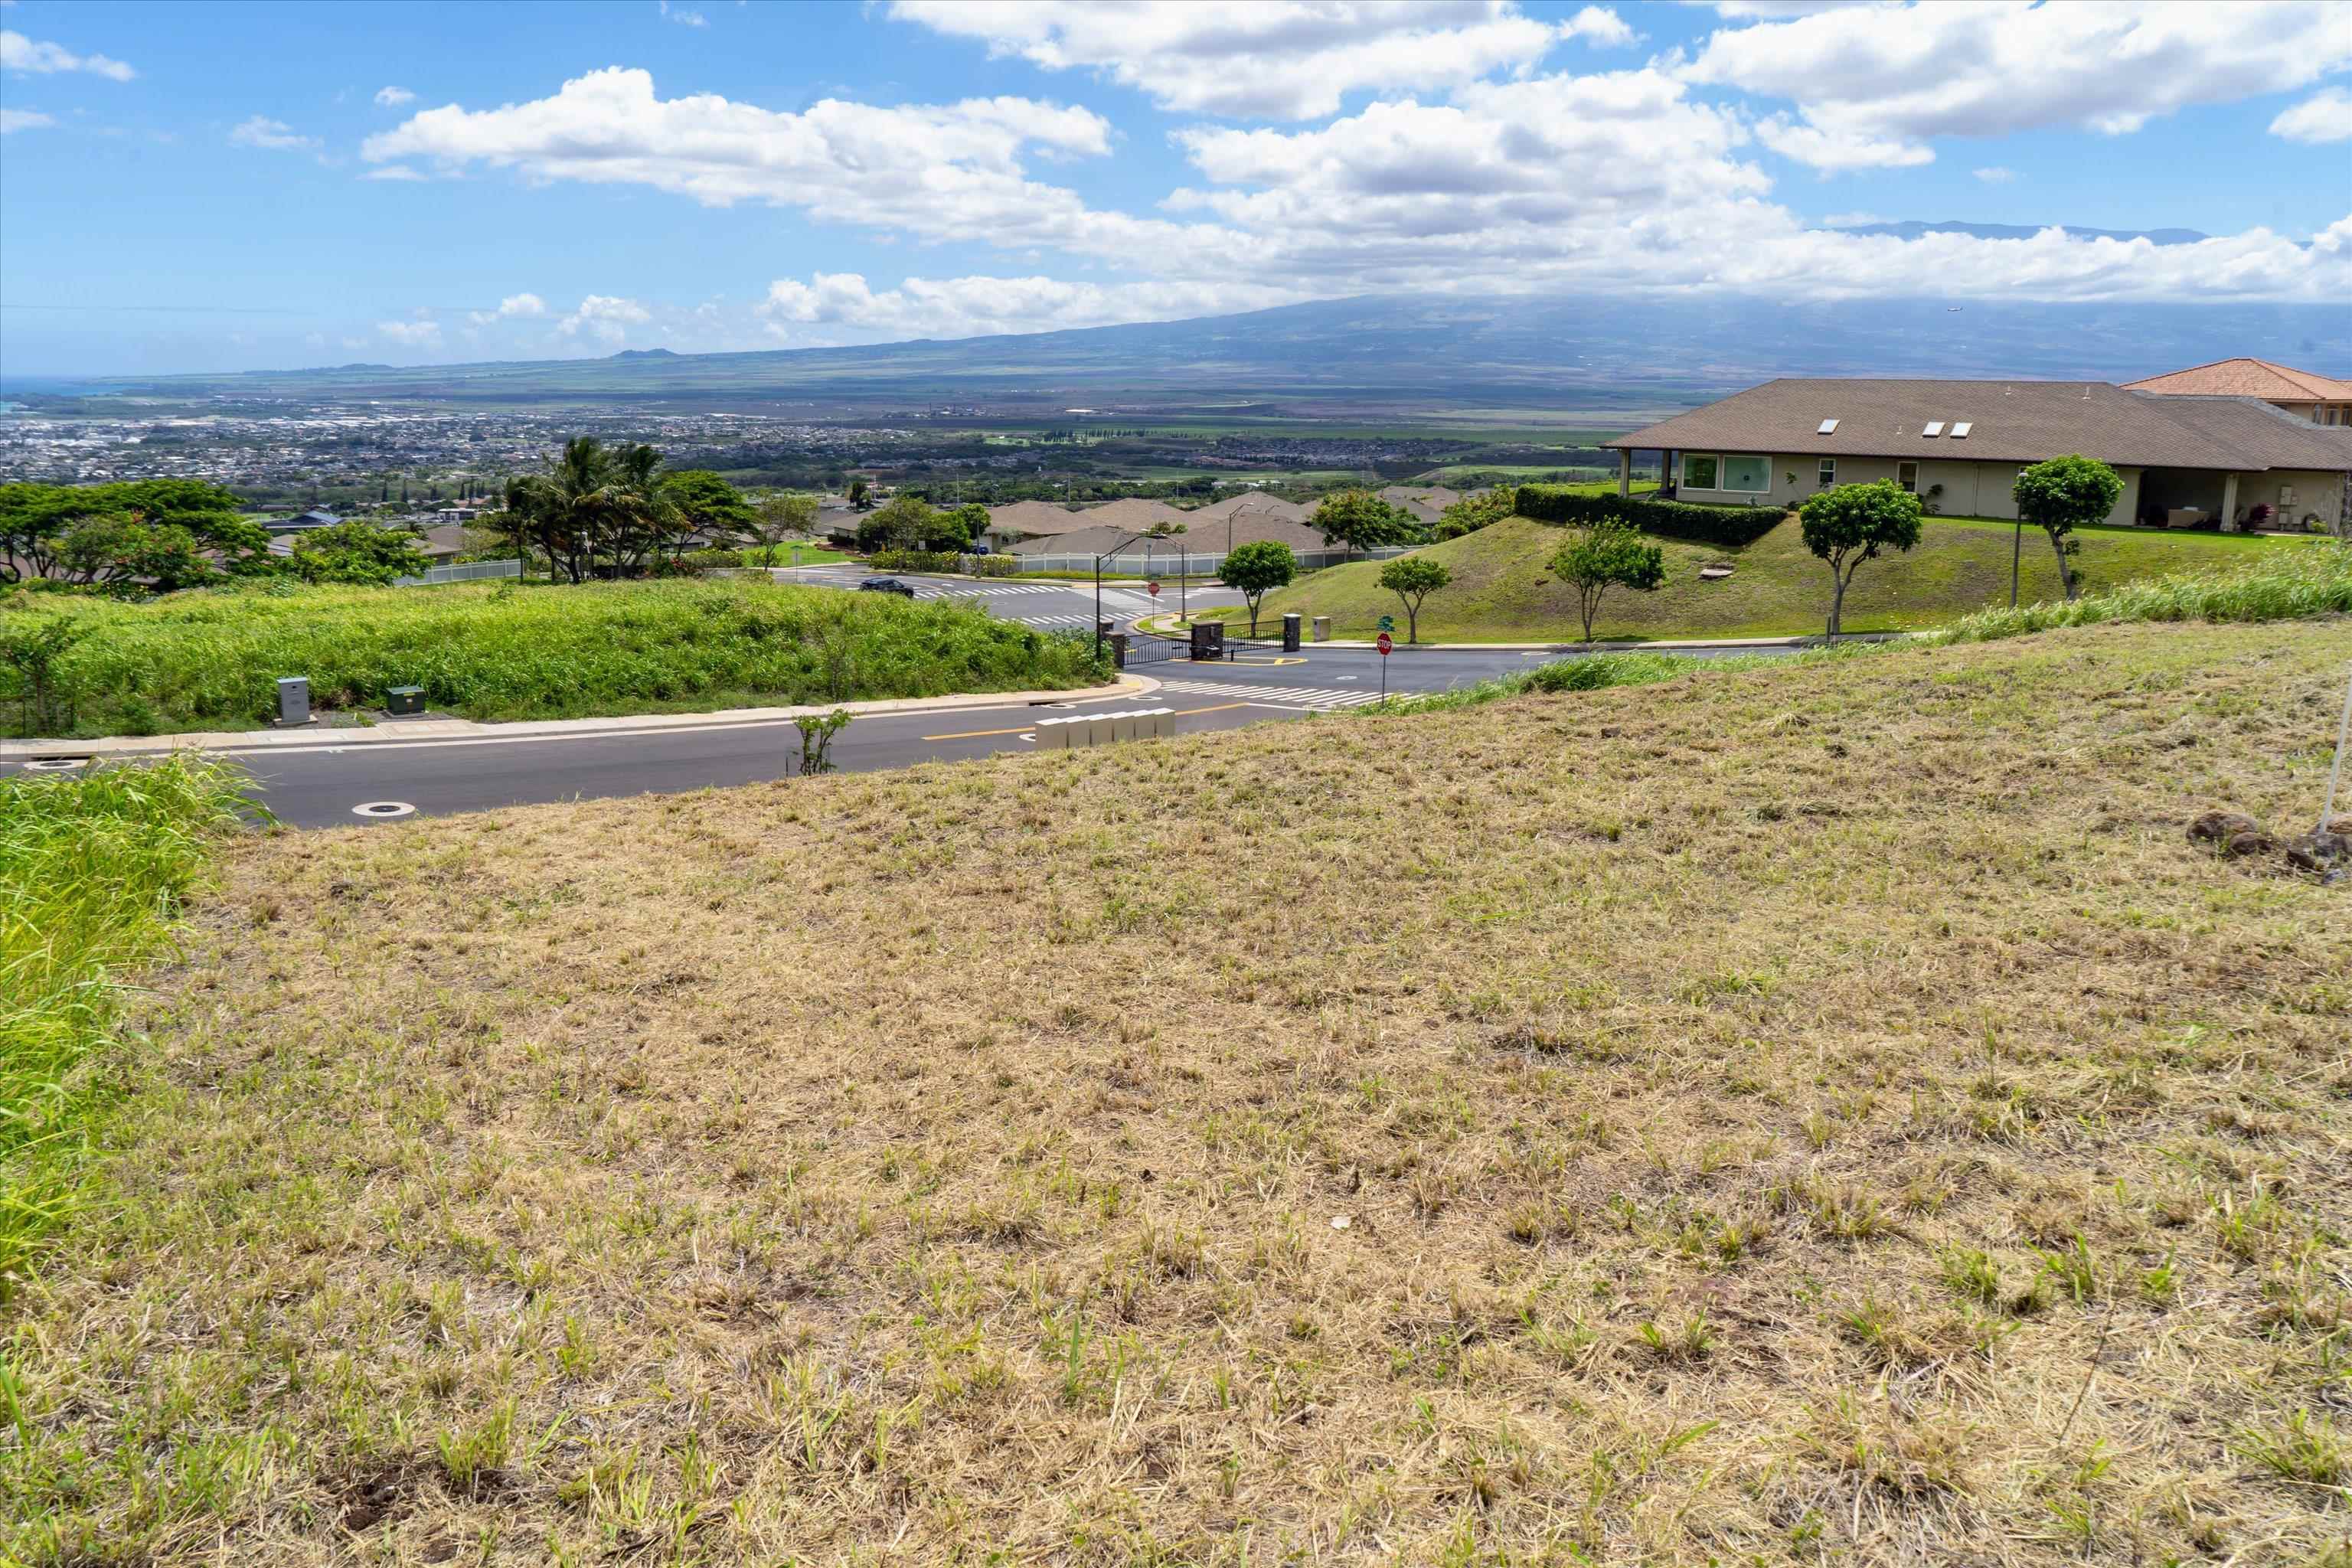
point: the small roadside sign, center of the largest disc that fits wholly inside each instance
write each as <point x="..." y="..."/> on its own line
<point x="1384" y="644"/>
<point x="1153" y="589"/>
<point x="1388" y="623"/>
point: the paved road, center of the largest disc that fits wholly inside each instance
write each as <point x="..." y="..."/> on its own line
<point x="321" y="786"/>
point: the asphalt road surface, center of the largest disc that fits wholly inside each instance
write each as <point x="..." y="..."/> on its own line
<point x="324" y="785"/>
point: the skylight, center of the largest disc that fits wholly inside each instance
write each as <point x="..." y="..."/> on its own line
<point x="1933" y="428"/>
<point x="1960" y="431"/>
<point x="1828" y="428"/>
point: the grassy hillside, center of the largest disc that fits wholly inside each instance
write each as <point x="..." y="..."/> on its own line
<point x="210" y="659"/>
<point x="1820" y="1115"/>
<point x="1503" y="590"/>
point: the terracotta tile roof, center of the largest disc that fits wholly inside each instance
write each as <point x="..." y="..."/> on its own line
<point x="2009" y="421"/>
<point x="2247" y="378"/>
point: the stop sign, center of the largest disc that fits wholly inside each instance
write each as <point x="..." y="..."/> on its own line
<point x="1153" y="588"/>
<point x="1384" y="644"/>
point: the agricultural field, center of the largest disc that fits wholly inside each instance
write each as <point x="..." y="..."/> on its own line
<point x="208" y="659"/>
<point x="1503" y="590"/>
<point x="1821" y="1113"/>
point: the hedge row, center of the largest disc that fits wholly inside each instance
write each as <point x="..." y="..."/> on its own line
<point x="943" y="560"/>
<point x="1729" y="526"/>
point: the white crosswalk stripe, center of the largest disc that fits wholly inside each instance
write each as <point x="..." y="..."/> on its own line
<point x="1322" y="698"/>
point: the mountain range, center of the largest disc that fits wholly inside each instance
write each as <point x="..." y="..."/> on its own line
<point x="1387" y="355"/>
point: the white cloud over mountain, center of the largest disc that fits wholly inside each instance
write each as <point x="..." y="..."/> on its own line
<point x="1466" y="169"/>
<point x="2325" y="116"/>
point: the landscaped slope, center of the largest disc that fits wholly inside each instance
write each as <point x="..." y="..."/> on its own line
<point x="1828" y="1114"/>
<point x="1503" y="589"/>
<point x="210" y="659"/>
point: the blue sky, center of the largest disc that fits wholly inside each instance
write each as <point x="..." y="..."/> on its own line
<point x="190" y="186"/>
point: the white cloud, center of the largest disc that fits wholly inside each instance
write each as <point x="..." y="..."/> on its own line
<point x="416" y="334"/>
<point x="1835" y="150"/>
<point x="23" y="120"/>
<point x="682" y="17"/>
<point x="921" y="169"/>
<point x="1255" y="60"/>
<point x="1872" y="77"/>
<point x="971" y="306"/>
<point x="604" y="316"/>
<point x="20" y="53"/>
<point x="1854" y="220"/>
<point x="275" y="135"/>
<point x="393" y="172"/>
<point x="2325" y="116"/>
<point x="393" y="97"/>
<point x="1995" y="174"/>
<point x="509" y="309"/>
<point x="1599" y="25"/>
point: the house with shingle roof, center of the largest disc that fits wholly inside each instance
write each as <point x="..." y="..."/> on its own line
<point x="2184" y="460"/>
<point x="2322" y="399"/>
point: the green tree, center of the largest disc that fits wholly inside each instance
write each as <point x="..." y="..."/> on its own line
<point x="35" y="518"/>
<point x="1358" y="520"/>
<point x="31" y="646"/>
<point x="1849" y="524"/>
<point x="975" y="521"/>
<point x="357" y="552"/>
<point x="560" y="512"/>
<point x="1414" y="578"/>
<point x="781" y="517"/>
<point x="860" y="494"/>
<point x="903" y="522"/>
<point x="1608" y="555"/>
<point x="1257" y="568"/>
<point x="710" y="506"/>
<point x="118" y="551"/>
<point x="1472" y="514"/>
<point x="2062" y="495"/>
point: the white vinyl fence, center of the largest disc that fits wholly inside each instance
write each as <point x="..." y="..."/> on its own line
<point x="1171" y="563"/>
<point x="464" y="572"/>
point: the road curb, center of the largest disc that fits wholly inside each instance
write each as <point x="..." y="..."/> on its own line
<point x="411" y="730"/>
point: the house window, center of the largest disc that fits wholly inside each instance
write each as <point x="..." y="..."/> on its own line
<point x="1698" y="472"/>
<point x="1907" y="476"/>
<point x="1828" y="475"/>
<point x="1752" y="474"/>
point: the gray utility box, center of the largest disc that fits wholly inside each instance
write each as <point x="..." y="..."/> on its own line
<point x="1208" y="640"/>
<point x="404" y="701"/>
<point x="293" y="702"/>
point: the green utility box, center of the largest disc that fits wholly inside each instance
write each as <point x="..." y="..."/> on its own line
<point x="404" y="701"/>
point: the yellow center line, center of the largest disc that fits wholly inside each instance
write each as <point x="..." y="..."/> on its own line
<point x="1024" y="729"/>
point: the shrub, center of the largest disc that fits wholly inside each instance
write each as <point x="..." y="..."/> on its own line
<point x="711" y="560"/>
<point x="1731" y="526"/>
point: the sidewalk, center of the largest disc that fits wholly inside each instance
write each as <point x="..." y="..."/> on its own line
<point x="318" y="737"/>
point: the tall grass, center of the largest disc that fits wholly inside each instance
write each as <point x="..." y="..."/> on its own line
<point x="210" y="659"/>
<point x="1588" y="672"/>
<point x="2288" y="583"/>
<point x="91" y="869"/>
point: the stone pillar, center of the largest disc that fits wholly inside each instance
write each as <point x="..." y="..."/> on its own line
<point x="2229" y="504"/>
<point x="1624" y="472"/>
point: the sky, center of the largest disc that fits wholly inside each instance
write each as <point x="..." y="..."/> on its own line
<point x="193" y="186"/>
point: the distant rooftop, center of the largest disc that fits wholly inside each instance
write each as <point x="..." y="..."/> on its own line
<point x="2247" y="377"/>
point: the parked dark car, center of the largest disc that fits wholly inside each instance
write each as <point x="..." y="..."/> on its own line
<point x="886" y="586"/>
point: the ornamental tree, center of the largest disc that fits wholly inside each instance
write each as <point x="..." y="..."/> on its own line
<point x="1608" y="555"/>
<point x="1256" y="568"/>
<point x="2062" y="495"/>
<point x="1414" y="578"/>
<point x="1358" y="520"/>
<point x="357" y="552"/>
<point x="1849" y="524"/>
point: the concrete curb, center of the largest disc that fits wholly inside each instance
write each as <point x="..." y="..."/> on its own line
<point x="410" y="730"/>
<point x="1683" y="644"/>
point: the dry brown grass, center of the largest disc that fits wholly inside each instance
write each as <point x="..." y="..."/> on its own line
<point x="1753" y="1103"/>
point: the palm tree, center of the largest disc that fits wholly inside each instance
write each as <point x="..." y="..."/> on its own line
<point x="566" y="510"/>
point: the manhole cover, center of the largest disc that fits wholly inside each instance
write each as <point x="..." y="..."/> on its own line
<point x="382" y="809"/>
<point x="57" y="765"/>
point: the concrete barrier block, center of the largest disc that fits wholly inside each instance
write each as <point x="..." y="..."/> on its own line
<point x="1098" y="731"/>
<point x="1052" y="734"/>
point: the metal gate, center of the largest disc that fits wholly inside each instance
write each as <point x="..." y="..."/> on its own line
<point x="1146" y="648"/>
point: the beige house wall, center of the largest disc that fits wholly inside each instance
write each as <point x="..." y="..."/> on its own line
<point x="1969" y="489"/>
<point x="2316" y="490"/>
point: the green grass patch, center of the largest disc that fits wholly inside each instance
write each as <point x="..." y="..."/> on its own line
<point x="91" y="870"/>
<point x="209" y="660"/>
<point x="1503" y="589"/>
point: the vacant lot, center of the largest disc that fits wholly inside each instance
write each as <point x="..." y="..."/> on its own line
<point x="1822" y="1114"/>
<point x="1503" y="589"/>
<point x="211" y="659"/>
